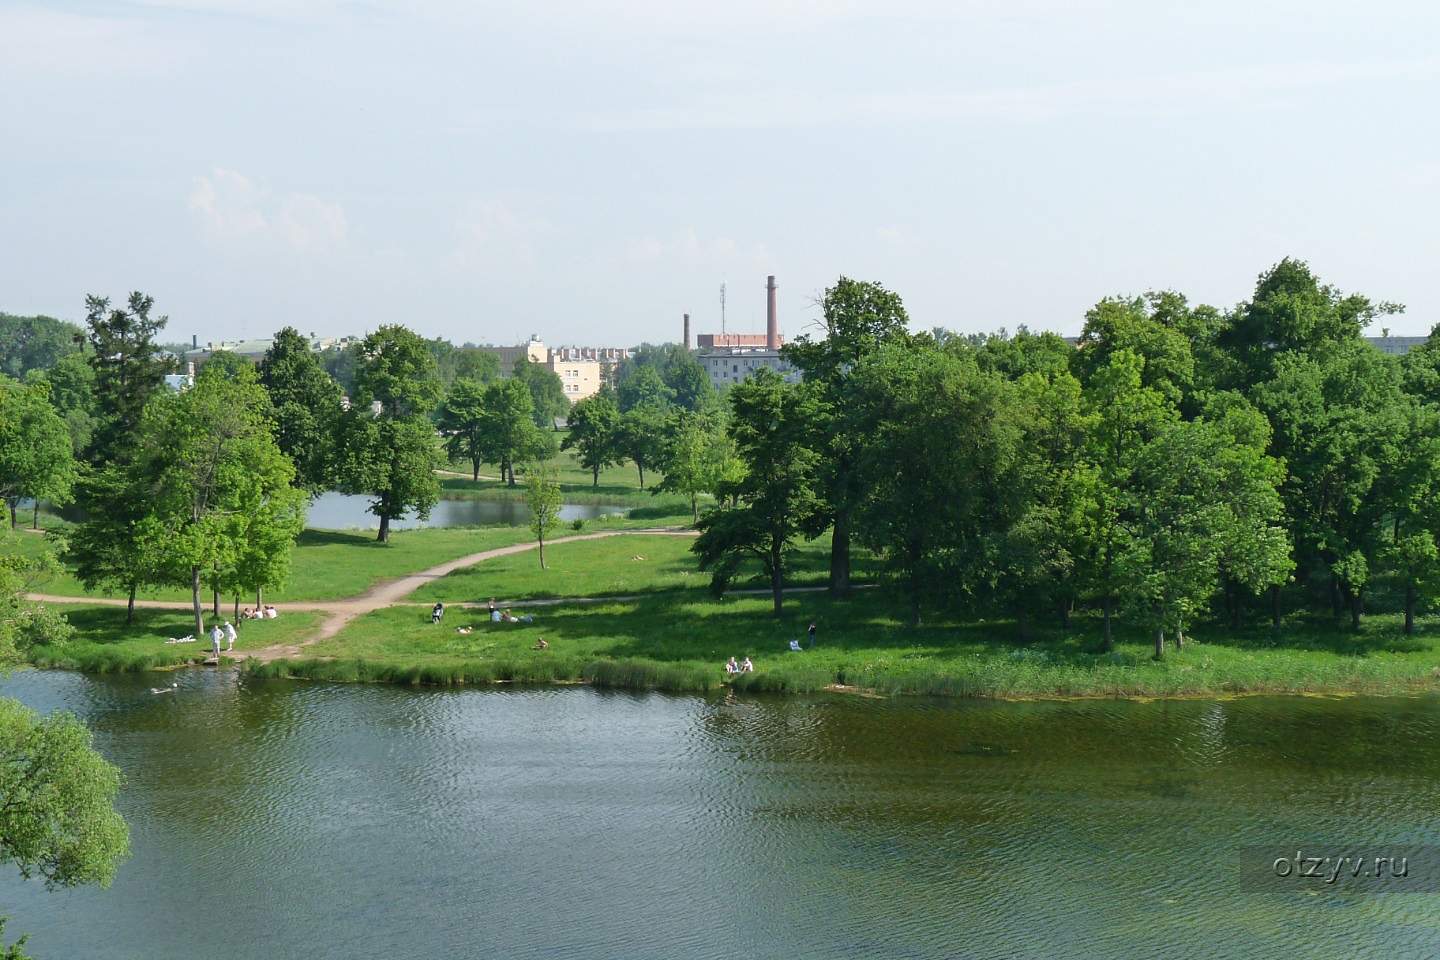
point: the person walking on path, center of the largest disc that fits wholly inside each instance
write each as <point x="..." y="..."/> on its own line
<point x="216" y="635"/>
<point x="230" y="636"/>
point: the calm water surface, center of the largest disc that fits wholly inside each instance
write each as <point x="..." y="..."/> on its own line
<point x="279" y="819"/>
<point x="339" y="511"/>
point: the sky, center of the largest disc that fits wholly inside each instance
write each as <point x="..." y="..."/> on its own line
<point x="589" y="171"/>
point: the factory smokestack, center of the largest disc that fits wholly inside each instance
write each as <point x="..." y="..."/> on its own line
<point x="772" y="325"/>
<point x="687" y="331"/>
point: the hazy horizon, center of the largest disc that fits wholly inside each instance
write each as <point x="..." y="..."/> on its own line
<point x="589" y="172"/>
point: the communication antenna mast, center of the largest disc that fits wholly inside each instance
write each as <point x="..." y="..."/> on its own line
<point x="722" y="308"/>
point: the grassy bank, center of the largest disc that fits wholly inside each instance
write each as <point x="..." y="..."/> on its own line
<point x="615" y="566"/>
<point x="335" y="564"/>
<point x="104" y="644"/>
<point x="680" y="642"/>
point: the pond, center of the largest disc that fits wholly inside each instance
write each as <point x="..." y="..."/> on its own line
<point x="282" y="819"/>
<point x="338" y="511"/>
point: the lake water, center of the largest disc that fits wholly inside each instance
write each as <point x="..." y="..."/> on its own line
<point x="338" y="511"/>
<point x="276" y="819"/>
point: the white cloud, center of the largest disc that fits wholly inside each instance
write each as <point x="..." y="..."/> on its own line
<point x="688" y="247"/>
<point x="231" y="208"/>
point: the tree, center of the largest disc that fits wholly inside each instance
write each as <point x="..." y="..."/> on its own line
<point x="35" y="343"/>
<point x="121" y="541"/>
<point x="57" y="814"/>
<point x="859" y="318"/>
<point x="1340" y="422"/>
<point x="307" y="405"/>
<point x="642" y="433"/>
<point x="72" y="393"/>
<point x="36" y="458"/>
<point x="777" y="496"/>
<point x="1201" y="494"/>
<point x="209" y="461"/>
<point x="1291" y="311"/>
<point x="1138" y="324"/>
<point x="266" y="527"/>
<point x="1125" y="415"/>
<point x="391" y="456"/>
<point x="690" y="384"/>
<point x="542" y="496"/>
<point x="128" y="366"/>
<point x="470" y="363"/>
<point x="508" y="432"/>
<point x="644" y="387"/>
<point x="695" y="456"/>
<point x="547" y="393"/>
<point x="595" y="434"/>
<point x="462" y="421"/>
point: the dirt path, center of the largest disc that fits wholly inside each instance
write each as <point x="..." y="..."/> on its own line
<point x="383" y="594"/>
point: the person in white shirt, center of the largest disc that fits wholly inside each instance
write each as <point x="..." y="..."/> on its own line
<point x="731" y="667"/>
<point x="230" y="636"/>
<point x="746" y="666"/>
<point x="271" y="613"/>
<point x="216" y="635"/>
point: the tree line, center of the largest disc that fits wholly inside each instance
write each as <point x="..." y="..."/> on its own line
<point x="1179" y="462"/>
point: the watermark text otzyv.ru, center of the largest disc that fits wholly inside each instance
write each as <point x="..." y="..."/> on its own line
<point x="1411" y="868"/>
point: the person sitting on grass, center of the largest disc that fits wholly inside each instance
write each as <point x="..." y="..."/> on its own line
<point x="731" y="667"/>
<point x="464" y="630"/>
<point x="746" y="666"/>
<point x="437" y="612"/>
<point x="247" y="614"/>
<point x="795" y="646"/>
<point x="271" y="613"/>
<point x="510" y="617"/>
<point x="494" y="615"/>
<point x="540" y="644"/>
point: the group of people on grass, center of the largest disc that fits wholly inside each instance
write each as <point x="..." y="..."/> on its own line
<point x="497" y="615"/>
<point x="744" y="666"/>
<point x="259" y="613"/>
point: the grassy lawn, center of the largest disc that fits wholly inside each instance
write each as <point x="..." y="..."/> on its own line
<point x="334" y="564"/>
<point x="616" y="566"/>
<point x="618" y="485"/>
<point x="680" y="641"/>
<point x="103" y="644"/>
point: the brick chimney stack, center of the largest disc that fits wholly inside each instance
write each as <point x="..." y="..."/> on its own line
<point x="687" y="332"/>
<point x="772" y="324"/>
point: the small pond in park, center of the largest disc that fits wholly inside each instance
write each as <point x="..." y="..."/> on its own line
<point x="339" y="511"/>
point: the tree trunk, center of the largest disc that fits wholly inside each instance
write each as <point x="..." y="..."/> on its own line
<point x="1109" y="643"/>
<point x="1357" y="606"/>
<point x="595" y="476"/>
<point x="1159" y="643"/>
<point x="235" y="619"/>
<point x="257" y="598"/>
<point x="475" y="471"/>
<point x="777" y="583"/>
<point x="507" y="471"/>
<point x="130" y="607"/>
<point x="35" y="517"/>
<point x="12" y="514"/>
<point x="1409" y="608"/>
<point x="694" y="509"/>
<point x="195" y="602"/>
<point x="542" y="551"/>
<point x="215" y="609"/>
<point x="840" y="555"/>
<point x="1179" y="636"/>
<point x="1275" y="608"/>
<point x="384" y="535"/>
<point x="641" y="467"/>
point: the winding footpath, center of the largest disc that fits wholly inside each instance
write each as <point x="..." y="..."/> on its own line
<point x="386" y="593"/>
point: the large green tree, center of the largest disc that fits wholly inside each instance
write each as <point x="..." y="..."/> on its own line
<point x="36" y="457"/>
<point x="391" y="456"/>
<point x="595" y="434"/>
<point x="508" y="431"/>
<point x="859" y="317"/>
<point x="547" y="394"/>
<point x="542" y="496"/>
<point x="462" y="421"/>
<point x="307" y="406"/>
<point x="35" y="343"/>
<point x="211" y="469"/>
<point x="642" y="433"/>
<point x="777" y="496"/>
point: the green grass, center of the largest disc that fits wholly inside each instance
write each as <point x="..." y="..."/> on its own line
<point x="104" y="644"/>
<point x="334" y="564"/>
<point x="865" y="644"/>
<point x="611" y="567"/>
